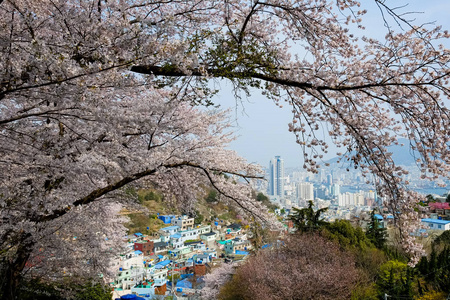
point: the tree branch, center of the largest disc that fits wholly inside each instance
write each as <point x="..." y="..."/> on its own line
<point x="94" y="195"/>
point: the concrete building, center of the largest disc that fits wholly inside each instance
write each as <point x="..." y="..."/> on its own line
<point x="276" y="177"/>
<point x="435" y="224"/>
<point x="184" y="222"/>
<point x="305" y="191"/>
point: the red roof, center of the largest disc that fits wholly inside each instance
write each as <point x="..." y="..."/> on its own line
<point x="438" y="205"/>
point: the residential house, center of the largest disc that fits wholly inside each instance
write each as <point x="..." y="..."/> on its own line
<point x="160" y="247"/>
<point x="130" y="269"/>
<point x="145" y="246"/>
<point x="184" y="222"/>
<point x="232" y="246"/>
<point x="166" y="232"/>
<point x="435" y="224"/>
<point x="167" y="219"/>
<point x="181" y="252"/>
<point x="208" y="237"/>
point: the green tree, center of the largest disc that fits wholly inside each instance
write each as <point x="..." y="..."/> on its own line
<point x="86" y="289"/>
<point x="395" y="279"/>
<point x="346" y="235"/>
<point x="261" y="197"/>
<point x="435" y="269"/>
<point x="375" y="232"/>
<point x="198" y="219"/>
<point x="212" y="196"/>
<point x="306" y="219"/>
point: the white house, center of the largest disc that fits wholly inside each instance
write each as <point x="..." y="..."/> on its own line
<point x="435" y="224"/>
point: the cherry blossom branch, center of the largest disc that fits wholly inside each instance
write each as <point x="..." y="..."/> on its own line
<point x="96" y="194"/>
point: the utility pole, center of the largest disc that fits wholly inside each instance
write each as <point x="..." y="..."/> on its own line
<point x="385" y="296"/>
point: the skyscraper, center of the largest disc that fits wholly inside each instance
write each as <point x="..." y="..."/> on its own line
<point x="276" y="177"/>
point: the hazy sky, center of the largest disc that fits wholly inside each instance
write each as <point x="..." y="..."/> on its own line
<point x="261" y="126"/>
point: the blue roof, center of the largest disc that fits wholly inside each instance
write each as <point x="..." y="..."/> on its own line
<point x="170" y="228"/>
<point x="160" y="256"/>
<point x="379" y="217"/>
<point x="137" y="252"/>
<point x="138" y="234"/>
<point x="162" y="264"/>
<point x="239" y="252"/>
<point x="442" y="222"/>
<point x="176" y="236"/>
<point x="131" y="297"/>
<point x="184" y="284"/>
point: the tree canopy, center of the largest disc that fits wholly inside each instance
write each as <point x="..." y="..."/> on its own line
<point x="96" y="95"/>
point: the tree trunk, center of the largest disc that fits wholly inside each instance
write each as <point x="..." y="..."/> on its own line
<point x="13" y="269"/>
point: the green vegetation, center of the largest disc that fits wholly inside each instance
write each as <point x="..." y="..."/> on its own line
<point x="395" y="279"/>
<point x="306" y="219"/>
<point x="190" y="241"/>
<point x="375" y="232"/>
<point x="212" y="196"/>
<point x="266" y="201"/>
<point x="68" y="289"/>
<point x="198" y="219"/>
<point x="381" y="269"/>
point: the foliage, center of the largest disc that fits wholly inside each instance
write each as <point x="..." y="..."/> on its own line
<point x="368" y="259"/>
<point x="443" y="239"/>
<point x="93" y="292"/>
<point x="190" y="241"/>
<point x="261" y="197"/>
<point x="364" y="292"/>
<point x="198" y="219"/>
<point x="395" y="279"/>
<point x="435" y="269"/>
<point x="343" y="232"/>
<point x="306" y="219"/>
<point x="85" y="290"/>
<point x="149" y="195"/>
<point x="306" y="266"/>
<point x="375" y="232"/>
<point x="432" y="295"/>
<point x="260" y="235"/>
<point x="212" y="196"/>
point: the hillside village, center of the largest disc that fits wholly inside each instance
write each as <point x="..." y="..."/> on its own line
<point x="173" y="260"/>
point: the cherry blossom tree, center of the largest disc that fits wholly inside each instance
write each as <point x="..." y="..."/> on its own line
<point x="96" y="95"/>
<point x="313" y="55"/>
<point x="215" y="280"/>
<point x="306" y="266"/>
<point x="76" y="127"/>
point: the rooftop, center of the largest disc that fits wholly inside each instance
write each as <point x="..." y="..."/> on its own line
<point x="169" y="228"/>
<point x="209" y="233"/>
<point x="442" y="222"/>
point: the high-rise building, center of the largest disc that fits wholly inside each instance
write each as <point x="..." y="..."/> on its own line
<point x="335" y="190"/>
<point x="276" y="177"/>
<point x="329" y="179"/>
<point x="305" y="191"/>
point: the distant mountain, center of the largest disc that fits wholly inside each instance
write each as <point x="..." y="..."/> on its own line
<point x="402" y="155"/>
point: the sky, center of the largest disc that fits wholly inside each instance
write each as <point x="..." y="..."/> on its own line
<point x="262" y="128"/>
